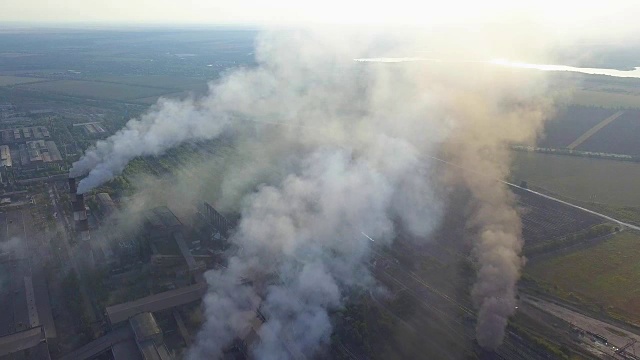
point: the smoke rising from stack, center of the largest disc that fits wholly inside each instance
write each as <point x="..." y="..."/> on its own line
<point x="482" y="145"/>
<point x="152" y="134"/>
<point x="351" y="156"/>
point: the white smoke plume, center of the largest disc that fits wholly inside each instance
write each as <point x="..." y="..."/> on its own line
<point x="349" y="155"/>
<point x="152" y="134"/>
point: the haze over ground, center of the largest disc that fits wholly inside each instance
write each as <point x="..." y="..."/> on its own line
<point x="354" y="156"/>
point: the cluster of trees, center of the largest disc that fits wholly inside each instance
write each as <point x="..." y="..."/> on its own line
<point x="587" y="154"/>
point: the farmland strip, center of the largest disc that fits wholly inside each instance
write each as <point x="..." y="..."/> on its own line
<point x="594" y="130"/>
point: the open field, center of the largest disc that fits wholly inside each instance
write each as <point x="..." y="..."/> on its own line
<point x="608" y="99"/>
<point x="570" y="123"/>
<point x="589" y="180"/>
<point x="589" y="133"/>
<point x="606" y="275"/>
<point x="159" y="81"/>
<point x="96" y="90"/>
<point x="6" y="80"/>
<point x="619" y="137"/>
<point x="174" y="95"/>
<point x="544" y="220"/>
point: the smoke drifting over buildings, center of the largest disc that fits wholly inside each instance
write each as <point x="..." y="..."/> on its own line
<point x="152" y="134"/>
<point x="350" y="155"/>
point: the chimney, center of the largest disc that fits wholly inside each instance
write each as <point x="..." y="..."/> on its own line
<point x="80" y="218"/>
<point x="78" y="204"/>
<point x="73" y="189"/>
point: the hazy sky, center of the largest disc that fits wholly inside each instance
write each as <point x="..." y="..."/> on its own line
<point x="572" y="14"/>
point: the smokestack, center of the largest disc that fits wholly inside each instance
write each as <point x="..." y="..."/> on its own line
<point x="82" y="227"/>
<point x="79" y="209"/>
<point x="80" y="217"/>
<point x="72" y="185"/>
<point x="73" y="189"/>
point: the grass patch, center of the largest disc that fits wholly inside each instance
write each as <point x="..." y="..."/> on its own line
<point x="16" y="80"/>
<point x="593" y="232"/>
<point x="588" y="180"/>
<point x="628" y="214"/>
<point x="615" y="331"/>
<point x="608" y="99"/>
<point x="606" y="276"/>
<point x="95" y="90"/>
<point x="159" y="81"/>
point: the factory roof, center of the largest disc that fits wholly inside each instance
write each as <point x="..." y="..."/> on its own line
<point x="5" y="156"/>
<point x="162" y="217"/>
<point x="126" y="350"/>
<point x="157" y="302"/>
<point x="104" y="197"/>
<point x="25" y="134"/>
<point x="150" y="351"/>
<point x="22" y="340"/>
<point x="105" y="203"/>
<point x="144" y="326"/>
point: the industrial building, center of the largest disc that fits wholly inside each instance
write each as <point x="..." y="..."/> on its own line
<point x="30" y="344"/>
<point x="106" y="206"/>
<point x="148" y="336"/>
<point x="168" y="248"/>
<point x="38" y="152"/>
<point x="79" y="211"/>
<point x="20" y="135"/>
<point x="28" y="149"/>
<point x="160" y="224"/>
<point x="5" y="156"/>
<point x="135" y="332"/>
<point x="140" y="339"/>
<point x="91" y="128"/>
<point x="27" y="321"/>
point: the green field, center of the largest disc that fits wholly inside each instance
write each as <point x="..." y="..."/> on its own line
<point x="605" y="276"/>
<point x="160" y="81"/>
<point x="95" y="90"/>
<point x="153" y="99"/>
<point x="608" y="99"/>
<point x="588" y="180"/>
<point x="6" y="80"/>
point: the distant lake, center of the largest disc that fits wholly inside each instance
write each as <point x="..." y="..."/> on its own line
<point x="635" y="73"/>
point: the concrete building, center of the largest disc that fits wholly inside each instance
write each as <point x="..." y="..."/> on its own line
<point x="105" y="204"/>
<point x="5" y="156"/>
<point x="27" y="321"/>
<point x="30" y="344"/>
<point x="215" y="219"/>
<point x="160" y="224"/>
<point x="145" y="328"/>
<point x="91" y="128"/>
<point x="166" y="300"/>
<point x="39" y="152"/>
<point x="11" y="136"/>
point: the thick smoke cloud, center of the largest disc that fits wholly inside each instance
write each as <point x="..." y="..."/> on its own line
<point x="481" y="146"/>
<point x="327" y="149"/>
